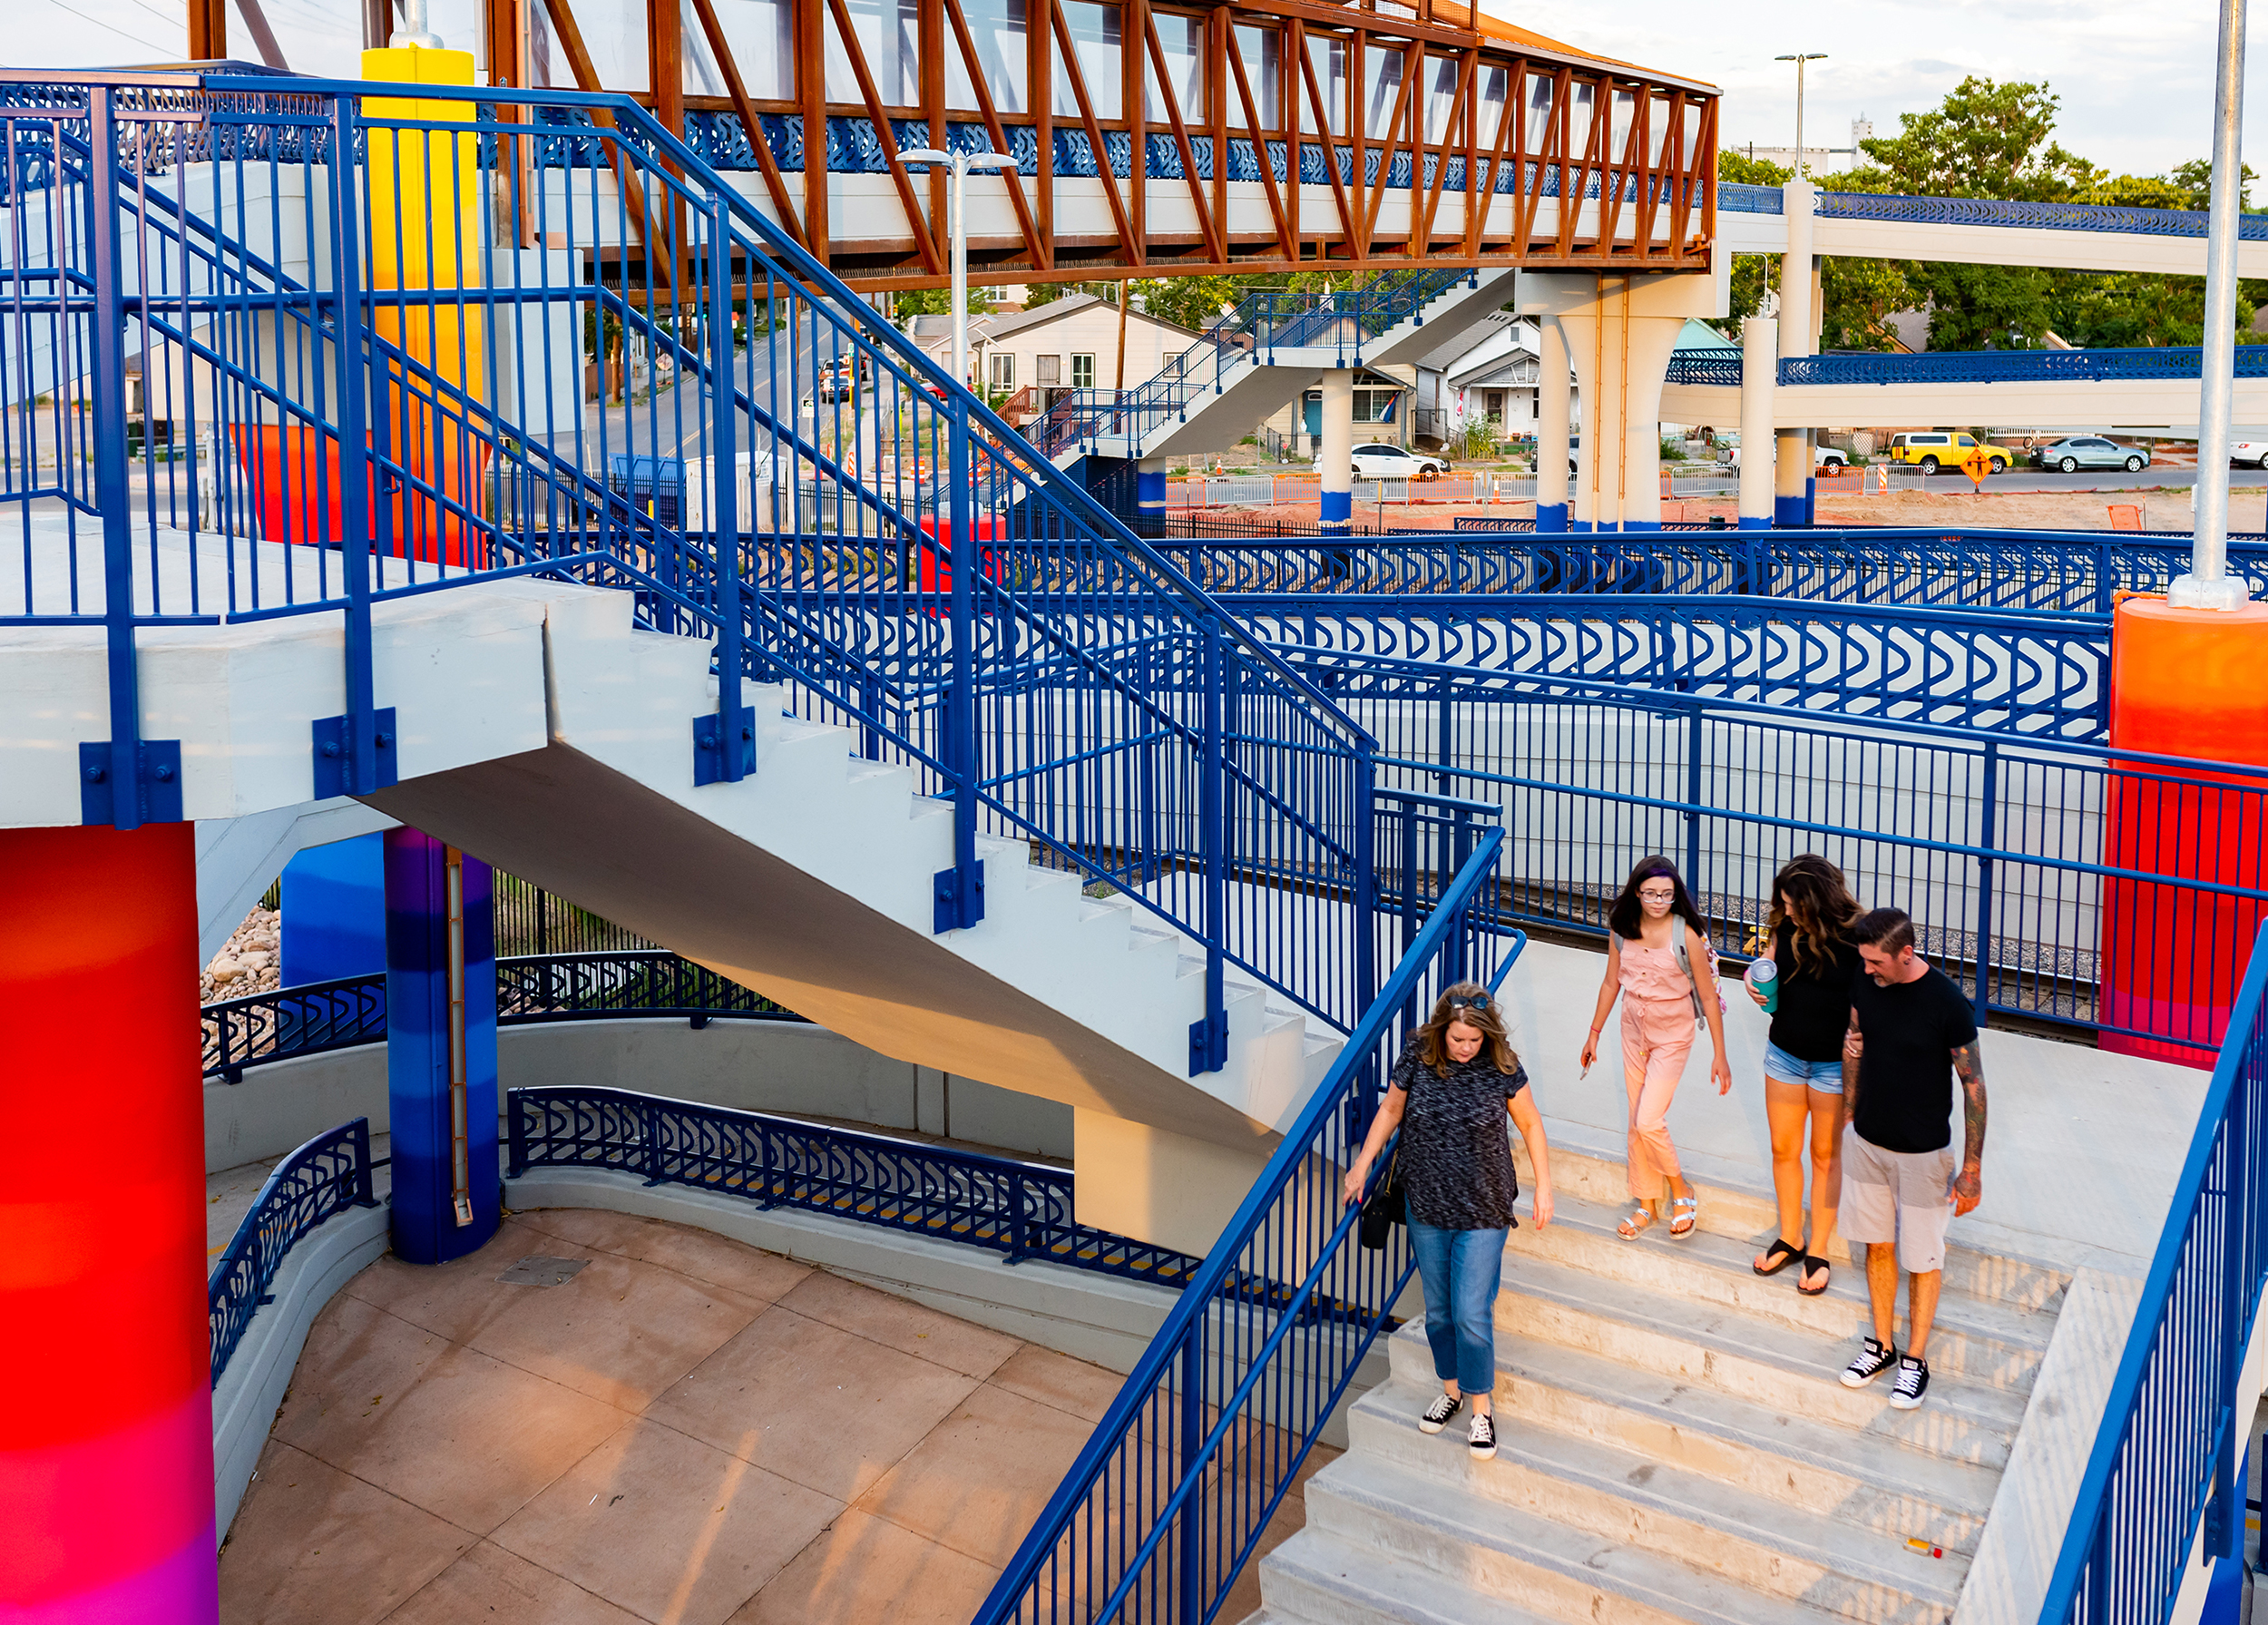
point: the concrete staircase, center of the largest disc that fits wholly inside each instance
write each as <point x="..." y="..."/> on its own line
<point x="1673" y="1444"/>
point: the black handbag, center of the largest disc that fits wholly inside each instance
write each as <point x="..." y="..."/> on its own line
<point x="1383" y="1209"/>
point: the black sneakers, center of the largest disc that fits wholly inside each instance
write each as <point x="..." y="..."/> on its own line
<point x="1873" y="1359"/>
<point x="1913" y="1383"/>
<point x="1480" y="1434"/>
<point x="1437" y="1414"/>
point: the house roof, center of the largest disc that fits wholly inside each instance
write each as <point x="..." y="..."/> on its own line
<point x="1023" y="322"/>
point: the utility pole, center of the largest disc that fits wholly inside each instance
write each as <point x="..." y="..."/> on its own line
<point x="2208" y="584"/>
<point x="1799" y="60"/>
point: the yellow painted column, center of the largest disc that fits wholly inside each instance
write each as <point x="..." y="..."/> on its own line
<point x="426" y="233"/>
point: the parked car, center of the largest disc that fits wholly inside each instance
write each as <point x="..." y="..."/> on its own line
<point x="1823" y="457"/>
<point x="2250" y="454"/>
<point x="2075" y="452"/>
<point x="1942" y="448"/>
<point x="1377" y="460"/>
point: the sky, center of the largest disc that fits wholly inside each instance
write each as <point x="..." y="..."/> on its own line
<point x="2137" y="83"/>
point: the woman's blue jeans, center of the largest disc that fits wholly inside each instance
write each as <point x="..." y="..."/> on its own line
<point x="1462" y="1270"/>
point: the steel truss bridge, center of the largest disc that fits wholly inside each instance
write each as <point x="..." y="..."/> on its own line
<point x="1203" y="139"/>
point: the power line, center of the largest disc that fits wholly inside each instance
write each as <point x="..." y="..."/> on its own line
<point x="115" y="28"/>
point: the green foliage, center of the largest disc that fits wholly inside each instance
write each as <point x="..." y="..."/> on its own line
<point x="1994" y="139"/>
<point x="938" y="301"/>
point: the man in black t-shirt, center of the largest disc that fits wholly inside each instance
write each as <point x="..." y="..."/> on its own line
<point x="1911" y="1033"/>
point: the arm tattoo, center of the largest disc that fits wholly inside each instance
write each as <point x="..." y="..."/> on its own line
<point x="1969" y="1066"/>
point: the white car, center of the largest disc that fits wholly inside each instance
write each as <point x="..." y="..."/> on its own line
<point x="1380" y="461"/>
<point x="1823" y="457"/>
<point x="2252" y="453"/>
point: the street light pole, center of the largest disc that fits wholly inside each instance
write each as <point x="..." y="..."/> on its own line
<point x="2209" y="586"/>
<point x="1799" y="60"/>
<point x="957" y="229"/>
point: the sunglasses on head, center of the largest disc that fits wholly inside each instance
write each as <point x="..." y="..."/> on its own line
<point x="1468" y="1001"/>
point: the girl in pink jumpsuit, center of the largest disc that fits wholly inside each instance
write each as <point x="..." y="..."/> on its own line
<point x="1659" y="989"/>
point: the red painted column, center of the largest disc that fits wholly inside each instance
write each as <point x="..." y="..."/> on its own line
<point x="2183" y="682"/>
<point x="106" y="1510"/>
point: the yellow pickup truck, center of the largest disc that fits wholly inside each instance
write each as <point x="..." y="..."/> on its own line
<point x="1942" y="449"/>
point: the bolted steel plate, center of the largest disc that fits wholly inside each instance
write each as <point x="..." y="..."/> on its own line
<point x="542" y="1272"/>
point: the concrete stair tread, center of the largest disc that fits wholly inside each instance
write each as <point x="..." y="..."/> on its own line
<point x="1720" y="1333"/>
<point x="1889" y="1463"/>
<point x="1315" y="1578"/>
<point x="1750" y="1217"/>
<point x="1402" y="1512"/>
<point x="1723" y="1265"/>
<point x="1724" y="1513"/>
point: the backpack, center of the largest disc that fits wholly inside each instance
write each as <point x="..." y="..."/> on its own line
<point x="1685" y="963"/>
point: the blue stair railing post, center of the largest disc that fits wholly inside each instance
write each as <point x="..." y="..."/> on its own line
<point x="1019" y="1240"/>
<point x="1189" y="1533"/>
<point x="123" y="782"/>
<point x="724" y="745"/>
<point x="1366" y="849"/>
<point x="1693" y="725"/>
<point x="1208" y="1036"/>
<point x="960" y="888"/>
<point x="516" y="1134"/>
<point x="365" y="1195"/>
<point x="1988" y="839"/>
<point x="2224" y="1510"/>
<point x="650" y="1142"/>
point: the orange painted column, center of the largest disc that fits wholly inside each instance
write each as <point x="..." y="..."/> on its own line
<point x="2183" y="682"/>
<point x="106" y="1507"/>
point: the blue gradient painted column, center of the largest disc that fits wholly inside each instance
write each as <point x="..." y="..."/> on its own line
<point x="440" y="1050"/>
<point x="1554" y="406"/>
<point x="1150" y="496"/>
<point x="1799" y="316"/>
<point x="1335" y="458"/>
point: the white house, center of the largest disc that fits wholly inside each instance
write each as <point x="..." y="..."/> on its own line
<point x="1029" y="356"/>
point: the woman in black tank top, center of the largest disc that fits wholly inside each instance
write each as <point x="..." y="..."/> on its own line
<point x="1809" y="946"/>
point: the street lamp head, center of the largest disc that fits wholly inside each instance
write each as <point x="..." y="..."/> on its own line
<point x="924" y="155"/>
<point x="992" y="161"/>
<point x="963" y="162"/>
<point x="1803" y="56"/>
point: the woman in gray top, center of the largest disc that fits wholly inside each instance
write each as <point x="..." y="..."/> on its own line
<point x="1448" y="1094"/>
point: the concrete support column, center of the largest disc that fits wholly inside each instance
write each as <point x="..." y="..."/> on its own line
<point x="1799" y="324"/>
<point x="1149" y="494"/>
<point x="1335" y="457"/>
<point x="1555" y="391"/>
<point x="1759" y="375"/>
<point x="440" y="1048"/>
<point x="1620" y="352"/>
<point x="106" y="1496"/>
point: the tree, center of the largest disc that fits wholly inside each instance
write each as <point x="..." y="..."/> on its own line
<point x="938" y="301"/>
<point x="1857" y="296"/>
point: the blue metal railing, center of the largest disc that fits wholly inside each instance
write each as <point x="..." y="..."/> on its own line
<point x="1969" y="366"/>
<point x="327" y="1176"/>
<point x="2168" y="1464"/>
<point x="355" y="437"/>
<point x="2032" y="675"/>
<point x="1166" y="1504"/>
<point x="2056" y="882"/>
<point x="317" y="1016"/>
<point x="1989" y="212"/>
<point x="1024" y="1210"/>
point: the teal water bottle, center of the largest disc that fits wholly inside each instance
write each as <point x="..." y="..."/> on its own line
<point x="1765" y="978"/>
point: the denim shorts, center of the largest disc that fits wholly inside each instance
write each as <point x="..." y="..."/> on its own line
<point x="1825" y="1076"/>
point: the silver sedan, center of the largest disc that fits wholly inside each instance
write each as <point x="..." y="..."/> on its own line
<point x="2076" y="452"/>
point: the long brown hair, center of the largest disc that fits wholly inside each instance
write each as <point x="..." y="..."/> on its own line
<point x="1810" y="894"/>
<point x="1470" y="1003"/>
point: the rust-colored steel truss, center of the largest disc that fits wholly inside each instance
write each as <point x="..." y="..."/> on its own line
<point x="1208" y="138"/>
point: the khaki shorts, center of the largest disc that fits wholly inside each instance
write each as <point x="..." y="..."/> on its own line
<point x="1905" y="1197"/>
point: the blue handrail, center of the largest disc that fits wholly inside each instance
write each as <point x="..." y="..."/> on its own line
<point x="325" y="1177"/>
<point x="314" y="1017"/>
<point x="1166" y="1504"/>
<point x="1024" y="1210"/>
<point x="2168" y="1462"/>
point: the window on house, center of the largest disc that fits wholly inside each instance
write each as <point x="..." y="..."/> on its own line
<point x="1047" y="370"/>
<point x="1082" y="372"/>
<point x="1003" y="370"/>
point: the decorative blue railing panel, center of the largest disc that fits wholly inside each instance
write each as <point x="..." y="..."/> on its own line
<point x="317" y="1016"/>
<point x="1021" y="1210"/>
<point x="1165" y="1505"/>
<point x="1712" y="365"/>
<point x="2168" y="1464"/>
<point x="1904" y="209"/>
<point x="327" y="1176"/>
<point x="2139" y="364"/>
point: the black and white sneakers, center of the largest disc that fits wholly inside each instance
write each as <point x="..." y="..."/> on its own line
<point x="1437" y="1414"/>
<point x="1480" y="1434"/>
<point x="1873" y="1359"/>
<point x="1913" y="1383"/>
